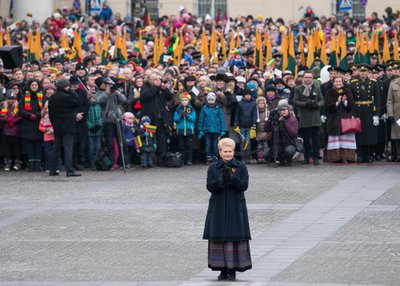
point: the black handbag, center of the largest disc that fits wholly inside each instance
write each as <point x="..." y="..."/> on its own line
<point x="174" y="160"/>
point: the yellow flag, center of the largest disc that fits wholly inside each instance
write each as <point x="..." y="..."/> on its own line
<point x="268" y="47"/>
<point x="38" y="46"/>
<point x="223" y="47"/>
<point x="155" y="49"/>
<point x="8" y="39"/>
<point x="124" y="52"/>
<point x="237" y="40"/>
<point x="232" y="43"/>
<point x="64" y="42"/>
<point x="161" y="45"/>
<point x="395" y="47"/>
<point x="284" y="51"/>
<point x="301" y="50"/>
<point x="1" y="38"/>
<point x="213" y="46"/>
<point x="323" y="56"/>
<point x="385" y="52"/>
<point x="204" y="47"/>
<point x="310" y="52"/>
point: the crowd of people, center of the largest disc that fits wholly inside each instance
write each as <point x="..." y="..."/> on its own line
<point x="144" y="111"/>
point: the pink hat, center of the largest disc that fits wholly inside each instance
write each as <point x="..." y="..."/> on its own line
<point x="49" y="86"/>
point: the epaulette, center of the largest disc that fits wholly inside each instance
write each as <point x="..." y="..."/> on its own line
<point x="354" y="80"/>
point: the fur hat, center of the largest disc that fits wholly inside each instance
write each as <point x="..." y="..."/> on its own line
<point x="259" y="99"/>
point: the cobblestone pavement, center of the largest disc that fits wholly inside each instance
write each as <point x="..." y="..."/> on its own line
<point x="327" y="225"/>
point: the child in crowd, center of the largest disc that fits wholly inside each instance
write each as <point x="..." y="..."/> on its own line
<point x="262" y="137"/>
<point x="129" y="128"/>
<point x="94" y="121"/>
<point x="48" y="137"/>
<point x="9" y="116"/>
<point x="245" y="122"/>
<point x="184" y="119"/>
<point x="146" y="145"/>
<point x="212" y="126"/>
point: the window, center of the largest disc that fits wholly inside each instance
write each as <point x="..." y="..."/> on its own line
<point x="220" y="7"/>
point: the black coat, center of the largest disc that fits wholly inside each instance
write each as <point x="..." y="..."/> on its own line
<point x="30" y="127"/>
<point x="62" y="112"/>
<point x="227" y="218"/>
<point x="336" y="113"/>
<point x="154" y="103"/>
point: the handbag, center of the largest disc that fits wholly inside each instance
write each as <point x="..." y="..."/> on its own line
<point x="350" y="125"/>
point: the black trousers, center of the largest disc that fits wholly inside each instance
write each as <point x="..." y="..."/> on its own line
<point x="12" y="148"/>
<point x="310" y="136"/>
<point x="68" y="142"/>
<point x="161" y="137"/>
<point x="185" y="147"/>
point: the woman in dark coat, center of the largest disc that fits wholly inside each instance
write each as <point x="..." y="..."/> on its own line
<point x="30" y="106"/>
<point x="227" y="225"/>
<point x="339" y="104"/>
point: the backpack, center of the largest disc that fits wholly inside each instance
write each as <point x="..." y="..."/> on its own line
<point x="103" y="160"/>
<point x="174" y="160"/>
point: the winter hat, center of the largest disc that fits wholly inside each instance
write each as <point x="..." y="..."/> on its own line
<point x="185" y="95"/>
<point x="246" y="91"/>
<point x="74" y="80"/>
<point x="211" y="95"/>
<point x="283" y="104"/>
<point x="10" y="95"/>
<point x="259" y="99"/>
<point x="128" y="115"/>
<point x="49" y="86"/>
<point x="251" y="85"/>
<point x="240" y="79"/>
<point x="145" y="119"/>
<point x="62" y="83"/>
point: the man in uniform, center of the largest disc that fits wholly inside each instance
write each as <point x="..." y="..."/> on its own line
<point x="367" y="104"/>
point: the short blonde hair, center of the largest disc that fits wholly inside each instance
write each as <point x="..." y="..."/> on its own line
<point x="226" y="142"/>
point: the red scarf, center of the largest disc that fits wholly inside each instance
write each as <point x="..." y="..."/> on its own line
<point x="27" y="100"/>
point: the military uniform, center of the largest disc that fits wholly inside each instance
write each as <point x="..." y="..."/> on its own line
<point x="366" y="105"/>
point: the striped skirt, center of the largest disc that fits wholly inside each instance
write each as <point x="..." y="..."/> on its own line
<point x="341" y="147"/>
<point x="229" y="255"/>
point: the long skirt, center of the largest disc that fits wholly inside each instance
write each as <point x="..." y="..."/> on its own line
<point x="233" y="255"/>
<point x="342" y="147"/>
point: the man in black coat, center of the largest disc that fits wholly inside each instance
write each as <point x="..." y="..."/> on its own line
<point x="63" y="117"/>
<point x="154" y="98"/>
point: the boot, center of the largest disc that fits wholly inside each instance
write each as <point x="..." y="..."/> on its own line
<point x="38" y="167"/>
<point x="17" y="165"/>
<point x="231" y="275"/>
<point x="31" y="165"/>
<point x="7" y="166"/>
<point x="223" y="275"/>
<point x="209" y="160"/>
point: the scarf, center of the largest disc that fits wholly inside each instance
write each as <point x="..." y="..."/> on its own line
<point x="4" y="110"/>
<point x="27" y="100"/>
<point x="307" y="89"/>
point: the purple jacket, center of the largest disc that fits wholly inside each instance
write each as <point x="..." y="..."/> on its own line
<point x="288" y="129"/>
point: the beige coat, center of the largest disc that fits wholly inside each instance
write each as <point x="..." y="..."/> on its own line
<point x="393" y="106"/>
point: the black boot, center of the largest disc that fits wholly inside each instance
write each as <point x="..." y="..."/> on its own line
<point x="231" y="275"/>
<point x="31" y="166"/>
<point x="223" y="275"/>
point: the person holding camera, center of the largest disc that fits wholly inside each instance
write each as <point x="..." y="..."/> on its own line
<point x="111" y="100"/>
<point x="283" y="125"/>
<point x="308" y="99"/>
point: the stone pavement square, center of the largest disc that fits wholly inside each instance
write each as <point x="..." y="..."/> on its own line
<point x="330" y="225"/>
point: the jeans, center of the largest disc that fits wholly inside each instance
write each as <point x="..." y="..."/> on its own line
<point x="211" y="143"/>
<point x="94" y="144"/>
<point x="285" y="153"/>
<point x="48" y="147"/>
<point x="34" y="149"/>
<point x="146" y="159"/>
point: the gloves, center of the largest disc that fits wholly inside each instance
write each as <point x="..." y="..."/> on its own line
<point x="253" y="133"/>
<point x="391" y="119"/>
<point x="384" y="116"/>
<point x="201" y="134"/>
<point x="184" y="114"/>
<point x="323" y="119"/>
<point x="309" y="105"/>
<point x="9" y="119"/>
<point x="227" y="174"/>
<point x="10" y="122"/>
<point x="222" y="133"/>
<point x="375" y="120"/>
<point x="146" y="134"/>
<point x="32" y="117"/>
<point x="315" y="105"/>
<point x="236" y="129"/>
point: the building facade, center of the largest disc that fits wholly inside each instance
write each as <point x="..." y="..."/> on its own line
<point x="286" y="9"/>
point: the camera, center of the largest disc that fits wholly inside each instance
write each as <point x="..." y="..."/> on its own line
<point x="274" y="115"/>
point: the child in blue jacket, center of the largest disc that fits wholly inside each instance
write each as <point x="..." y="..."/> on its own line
<point x="129" y="128"/>
<point x="211" y="126"/>
<point x="184" y="119"/>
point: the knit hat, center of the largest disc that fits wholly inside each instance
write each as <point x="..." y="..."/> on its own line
<point x="283" y="104"/>
<point x="145" y="119"/>
<point x="185" y="95"/>
<point x="74" y="80"/>
<point x="259" y="99"/>
<point x="240" y="79"/>
<point x="211" y="95"/>
<point x="251" y="85"/>
<point x="49" y="86"/>
<point x="62" y="83"/>
<point x="10" y="95"/>
<point x="128" y="115"/>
